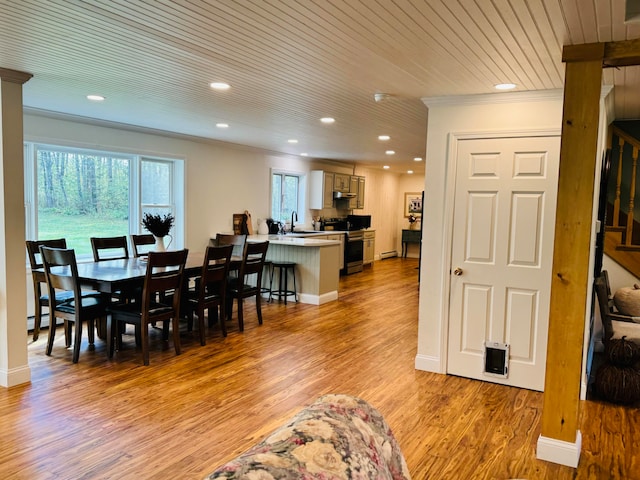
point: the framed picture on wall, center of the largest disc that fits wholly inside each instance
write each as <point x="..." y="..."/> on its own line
<point x="413" y="204"/>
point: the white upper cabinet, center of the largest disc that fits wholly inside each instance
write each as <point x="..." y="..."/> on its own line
<point x="320" y="190"/>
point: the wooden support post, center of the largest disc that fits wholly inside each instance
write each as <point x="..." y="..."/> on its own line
<point x="570" y="275"/>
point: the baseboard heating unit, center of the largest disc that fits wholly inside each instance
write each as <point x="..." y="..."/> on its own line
<point x="390" y="254"/>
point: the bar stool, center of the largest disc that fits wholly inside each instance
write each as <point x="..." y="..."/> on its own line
<point x="283" y="291"/>
<point x="266" y="291"/>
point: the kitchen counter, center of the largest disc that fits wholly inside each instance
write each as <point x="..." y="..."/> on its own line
<point x="317" y="263"/>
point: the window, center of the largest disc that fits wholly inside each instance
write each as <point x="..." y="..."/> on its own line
<point x="80" y="193"/>
<point x="285" y="196"/>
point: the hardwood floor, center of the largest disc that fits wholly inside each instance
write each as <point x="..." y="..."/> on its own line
<point x="184" y="415"/>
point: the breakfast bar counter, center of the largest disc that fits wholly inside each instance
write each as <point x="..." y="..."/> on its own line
<point x="317" y="264"/>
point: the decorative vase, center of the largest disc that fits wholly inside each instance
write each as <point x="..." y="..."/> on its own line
<point x="160" y="247"/>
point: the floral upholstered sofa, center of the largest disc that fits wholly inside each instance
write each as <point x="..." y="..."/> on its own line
<point x="336" y="437"/>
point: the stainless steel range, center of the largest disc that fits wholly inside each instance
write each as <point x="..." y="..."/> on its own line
<point x="353" y="251"/>
<point x="353" y="226"/>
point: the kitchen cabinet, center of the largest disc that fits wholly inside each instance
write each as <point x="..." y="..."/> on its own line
<point x="320" y="189"/>
<point x="340" y="238"/>
<point x="341" y="182"/>
<point x="369" y="247"/>
<point x="332" y="236"/>
<point x="360" y="197"/>
<point x="356" y="185"/>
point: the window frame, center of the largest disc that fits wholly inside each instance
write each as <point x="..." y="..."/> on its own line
<point x="302" y="187"/>
<point x="176" y="181"/>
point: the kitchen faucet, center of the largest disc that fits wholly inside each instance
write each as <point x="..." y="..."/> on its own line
<point x="294" y="214"/>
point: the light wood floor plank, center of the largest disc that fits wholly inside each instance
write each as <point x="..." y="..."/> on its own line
<point x="184" y="415"/>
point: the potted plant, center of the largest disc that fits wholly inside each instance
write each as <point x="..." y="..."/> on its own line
<point x="159" y="226"/>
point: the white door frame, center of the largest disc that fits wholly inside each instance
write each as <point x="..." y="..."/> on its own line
<point x="447" y="244"/>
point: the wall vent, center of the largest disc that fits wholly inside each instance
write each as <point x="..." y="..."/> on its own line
<point x="390" y="254"/>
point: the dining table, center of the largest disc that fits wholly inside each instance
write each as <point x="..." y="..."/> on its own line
<point x="127" y="274"/>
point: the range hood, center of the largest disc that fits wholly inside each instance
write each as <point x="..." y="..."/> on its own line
<point x="338" y="195"/>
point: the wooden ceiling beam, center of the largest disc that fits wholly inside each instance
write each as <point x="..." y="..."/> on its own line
<point x="612" y="54"/>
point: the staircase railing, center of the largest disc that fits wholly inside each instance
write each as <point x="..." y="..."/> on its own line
<point x="617" y="223"/>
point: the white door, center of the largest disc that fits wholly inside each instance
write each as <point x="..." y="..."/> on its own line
<point x="502" y="249"/>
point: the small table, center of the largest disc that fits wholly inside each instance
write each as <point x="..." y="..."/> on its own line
<point x="410" y="236"/>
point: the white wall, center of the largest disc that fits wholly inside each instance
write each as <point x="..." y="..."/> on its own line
<point x="495" y="113"/>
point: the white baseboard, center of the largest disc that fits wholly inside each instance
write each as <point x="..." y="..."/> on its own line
<point x="15" y="376"/>
<point x="318" y="299"/>
<point x="428" y="364"/>
<point x="558" y="451"/>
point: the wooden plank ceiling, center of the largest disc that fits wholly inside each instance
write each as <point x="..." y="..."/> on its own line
<point x="290" y="63"/>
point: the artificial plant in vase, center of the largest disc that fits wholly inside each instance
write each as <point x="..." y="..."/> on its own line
<point x="412" y="221"/>
<point x="159" y="226"/>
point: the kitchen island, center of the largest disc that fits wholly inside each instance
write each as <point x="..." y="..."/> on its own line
<point x="318" y="263"/>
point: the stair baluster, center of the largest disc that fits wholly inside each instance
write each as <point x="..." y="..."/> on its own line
<point x="632" y="194"/>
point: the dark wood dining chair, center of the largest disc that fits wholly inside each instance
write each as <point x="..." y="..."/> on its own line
<point x="248" y="283"/>
<point x="39" y="279"/>
<point x="165" y="273"/>
<point x="141" y="241"/>
<point x="76" y="310"/>
<point x="113" y="248"/>
<point x="238" y="242"/>
<point x="109" y="248"/>
<point x="211" y="288"/>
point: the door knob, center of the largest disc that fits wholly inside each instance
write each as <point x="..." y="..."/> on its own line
<point x="457" y="272"/>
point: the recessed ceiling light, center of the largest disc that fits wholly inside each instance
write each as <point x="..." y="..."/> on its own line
<point x="327" y="120"/>
<point x="417" y="159"/>
<point x="409" y="172"/>
<point x="304" y="154"/>
<point x="95" y="98"/>
<point x="386" y="167"/>
<point x="222" y="125"/>
<point x="390" y="152"/>
<point x="292" y="140"/>
<point x="383" y="137"/>
<point x="219" y="86"/>
<point x="505" y="86"/>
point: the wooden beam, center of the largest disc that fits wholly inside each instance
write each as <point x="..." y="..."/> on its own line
<point x="14" y="76"/>
<point x="570" y="280"/>
<point x="584" y="52"/>
<point x="611" y="54"/>
<point x="621" y="54"/>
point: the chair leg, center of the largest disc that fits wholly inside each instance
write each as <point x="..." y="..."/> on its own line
<point x="117" y="327"/>
<point x="37" y="319"/>
<point x="240" y="315"/>
<point x="229" y="307"/>
<point x="176" y="334"/>
<point x="259" y="308"/>
<point x="223" y="324"/>
<point x="110" y="336"/>
<point x="52" y="334"/>
<point x="203" y="340"/>
<point x="144" y="340"/>
<point x="92" y="330"/>
<point x="78" y="341"/>
<point x="272" y="270"/>
<point x="67" y="333"/>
